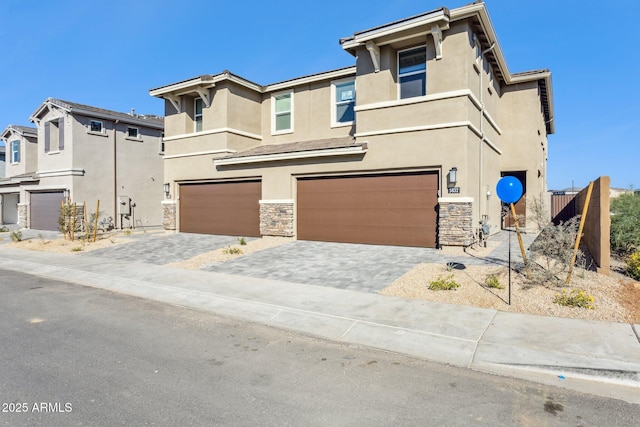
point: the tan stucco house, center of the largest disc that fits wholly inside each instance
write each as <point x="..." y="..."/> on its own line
<point x="403" y="148"/>
<point x="88" y="154"/>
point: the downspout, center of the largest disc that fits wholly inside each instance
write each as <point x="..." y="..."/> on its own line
<point x="480" y="157"/>
<point x="115" y="176"/>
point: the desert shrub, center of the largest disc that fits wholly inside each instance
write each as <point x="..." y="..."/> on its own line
<point x="633" y="265"/>
<point x="232" y="250"/>
<point x="76" y="249"/>
<point x="625" y="224"/>
<point x="242" y="241"/>
<point x="492" y="281"/>
<point x="554" y="248"/>
<point x="3" y="229"/>
<point x="443" y="283"/>
<point x="575" y="298"/>
<point x="16" y="236"/>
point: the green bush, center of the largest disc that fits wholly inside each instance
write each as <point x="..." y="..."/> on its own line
<point x="76" y="249"/>
<point x="443" y="283"/>
<point x="625" y="223"/>
<point x="575" y="298"/>
<point x="493" y="282"/>
<point x="633" y="265"/>
<point x="16" y="236"/>
<point x="3" y="229"/>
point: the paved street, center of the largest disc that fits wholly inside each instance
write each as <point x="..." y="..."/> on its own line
<point x="97" y="358"/>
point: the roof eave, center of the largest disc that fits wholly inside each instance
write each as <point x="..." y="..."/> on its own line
<point x="439" y="16"/>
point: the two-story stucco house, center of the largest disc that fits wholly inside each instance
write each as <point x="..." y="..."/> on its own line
<point x="403" y="148"/>
<point x="21" y="144"/>
<point x="90" y="154"/>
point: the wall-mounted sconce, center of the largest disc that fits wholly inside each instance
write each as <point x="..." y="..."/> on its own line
<point x="66" y="193"/>
<point x="166" y="187"/>
<point x="453" y="175"/>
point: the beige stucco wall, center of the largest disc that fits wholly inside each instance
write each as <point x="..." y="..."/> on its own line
<point x="524" y="138"/>
<point x="312" y="106"/>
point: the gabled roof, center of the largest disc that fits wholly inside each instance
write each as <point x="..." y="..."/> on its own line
<point x="152" y="121"/>
<point x="208" y="81"/>
<point x="20" y="130"/>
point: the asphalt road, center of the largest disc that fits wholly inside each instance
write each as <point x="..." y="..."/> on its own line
<point x="72" y="355"/>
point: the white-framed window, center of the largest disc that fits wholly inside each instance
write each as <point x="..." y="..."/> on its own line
<point x="282" y="108"/>
<point x="132" y="132"/>
<point x="343" y="101"/>
<point x="197" y="114"/>
<point x="412" y="72"/>
<point x="15" y="151"/>
<point x="96" y="126"/>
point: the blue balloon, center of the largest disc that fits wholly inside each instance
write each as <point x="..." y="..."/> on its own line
<point x="509" y="189"/>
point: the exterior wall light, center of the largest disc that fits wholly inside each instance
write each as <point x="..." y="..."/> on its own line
<point x="453" y="175"/>
<point x="166" y="187"/>
<point x="66" y="193"/>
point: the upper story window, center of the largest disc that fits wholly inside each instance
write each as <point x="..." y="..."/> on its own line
<point x="344" y="100"/>
<point x="282" y="107"/>
<point x="54" y="135"/>
<point x="96" y="126"/>
<point x="132" y="132"/>
<point x="412" y="72"/>
<point x="197" y="114"/>
<point x="15" y="151"/>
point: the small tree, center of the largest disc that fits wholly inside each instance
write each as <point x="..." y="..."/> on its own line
<point x="554" y="246"/>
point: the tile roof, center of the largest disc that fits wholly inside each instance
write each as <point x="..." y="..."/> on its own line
<point x="295" y="147"/>
<point x="116" y="114"/>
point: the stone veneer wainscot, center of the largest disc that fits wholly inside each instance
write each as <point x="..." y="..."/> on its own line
<point x="455" y="221"/>
<point x="169" y="214"/>
<point x="276" y="218"/>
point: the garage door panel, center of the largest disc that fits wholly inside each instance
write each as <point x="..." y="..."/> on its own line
<point x="226" y="208"/>
<point x="384" y="209"/>
<point x="45" y="210"/>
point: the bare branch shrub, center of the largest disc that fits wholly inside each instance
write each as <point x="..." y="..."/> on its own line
<point x="553" y="249"/>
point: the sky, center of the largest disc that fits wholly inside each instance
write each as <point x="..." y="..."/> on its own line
<point x="108" y="54"/>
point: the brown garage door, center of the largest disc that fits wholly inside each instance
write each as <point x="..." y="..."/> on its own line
<point x="45" y="210"/>
<point x="381" y="209"/>
<point x="225" y="208"/>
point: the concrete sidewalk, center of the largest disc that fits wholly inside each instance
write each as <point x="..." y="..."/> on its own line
<point x="601" y="358"/>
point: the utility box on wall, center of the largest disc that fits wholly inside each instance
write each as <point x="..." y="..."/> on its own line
<point x="124" y="205"/>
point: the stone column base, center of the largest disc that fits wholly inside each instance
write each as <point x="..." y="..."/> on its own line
<point x="455" y="221"/>
<point x="23" y="215"/>
<point x="276" y="218"/>
<point x="169" y="214"/>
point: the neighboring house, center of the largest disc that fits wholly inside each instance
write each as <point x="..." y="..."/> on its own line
<point x="91" y="154"/>
<point x="21" y="145"/>
<point x="404" y="148"/>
